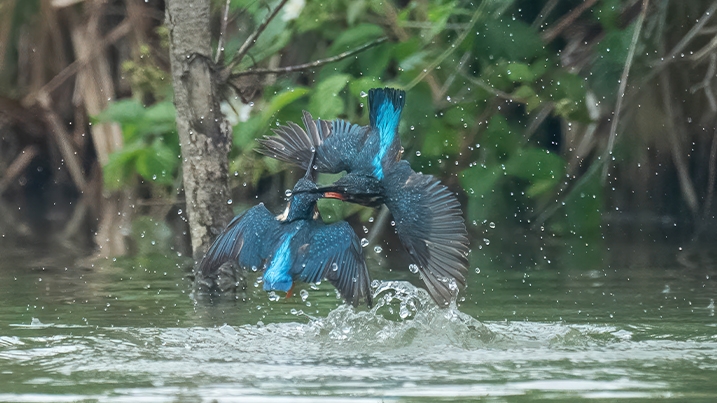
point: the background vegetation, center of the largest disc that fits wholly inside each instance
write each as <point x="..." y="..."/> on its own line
<point x="554" y="120"/>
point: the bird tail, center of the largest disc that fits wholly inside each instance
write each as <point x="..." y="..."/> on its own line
<point x="385" y="106"/>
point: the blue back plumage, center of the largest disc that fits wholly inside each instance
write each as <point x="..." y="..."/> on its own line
<point x="386" y="105"/>
<point x="278" y="272"/>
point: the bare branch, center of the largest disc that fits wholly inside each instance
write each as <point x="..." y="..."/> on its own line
<point x="621" y="89"/>
<point x="251" y="40"/>
<point x="305" y="66"/>
<point x="220" y="46"/>
<point x="553" y="32"/>
<point x="682" y="43"/>
<point x="121" y="30"/>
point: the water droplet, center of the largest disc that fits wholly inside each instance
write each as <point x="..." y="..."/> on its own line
<point x="491" y="224"/>
<point x="477" y="270"/>
<point x="363" y="94"/>
<point x="486" y="241"/>
<point x="230" y="201"/>
<point x="364" y="242"/>
<point x="418" y="153"/>
<point x="452" y="285"/>
<point x="370" y="219"/>
<point x="304" y="295"/>
<point x="273" y="296"/>
<point x="365" y="230"/>
<point x="287" y="192"/>
<point x="413" y="268"/>
<point x="375" y="283"/>
<point x="334" y="266"/>
<point x="254" y="268"/>
<point x="377" y="249"/>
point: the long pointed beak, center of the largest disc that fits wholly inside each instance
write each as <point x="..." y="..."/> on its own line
<point x="334" y="195"/>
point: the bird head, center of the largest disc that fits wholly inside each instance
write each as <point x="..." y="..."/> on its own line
<point x="355" y="188"/>
<point x="303" y="196"/>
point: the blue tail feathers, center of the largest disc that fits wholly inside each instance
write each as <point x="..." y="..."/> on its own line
<point x="385" y="106"/>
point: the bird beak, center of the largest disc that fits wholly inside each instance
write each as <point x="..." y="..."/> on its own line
<point x="334" y="195"/>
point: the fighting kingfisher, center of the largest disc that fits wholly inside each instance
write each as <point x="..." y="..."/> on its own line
<point x="295" y="245"/>
<point x="427" y="216"/>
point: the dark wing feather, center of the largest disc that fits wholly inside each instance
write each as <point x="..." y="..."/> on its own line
<point x="334" y="252"/>
<point x="247" y="239"/>
<point x="336" y="144"/>
<point x="429" y="223"/>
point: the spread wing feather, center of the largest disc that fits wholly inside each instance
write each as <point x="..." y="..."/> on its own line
<point x="429" y="223"/>
<point x="334" y="253"/>
<point x="247" y="240"/>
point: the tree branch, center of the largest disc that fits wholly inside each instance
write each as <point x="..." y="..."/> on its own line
<point x="621" y="89"/>
<point x="251" y="40"/>
<point x="305" y="66"/>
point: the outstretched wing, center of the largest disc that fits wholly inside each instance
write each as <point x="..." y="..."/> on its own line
<point x="429" y="223"/>
<point x="247" y="239"/>
<point x="334" y="252"/>
<point x="336" y="143"/>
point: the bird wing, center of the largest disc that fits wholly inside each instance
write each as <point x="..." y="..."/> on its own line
<point x="429" y="223"/>
<point x="334" y="252"/>
<point x="247" y="239"/>
<point x="336" y="143"/>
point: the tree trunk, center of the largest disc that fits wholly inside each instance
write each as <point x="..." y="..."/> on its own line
<point x="204" y="134"/>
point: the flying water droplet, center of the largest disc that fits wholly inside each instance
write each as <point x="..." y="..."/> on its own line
<point x="377" y="249"/>
<point x="334" y="266"/>
<point x="491" y="224"/>
<point x="287" y="192"/>
<point x="273" y="296"/>
<point x="363" y="94"/>
<point x="370" y="219"/>
<point x="418" y="153"/>
<point x="413" y="268"/>
<point x="364" y="242"/>
<point x="477" y="270"/>
<point x="230" y="201"/>
<point x="304" y="295"/>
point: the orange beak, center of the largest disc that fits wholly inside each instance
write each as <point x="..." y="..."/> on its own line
<point x="334" y="195"/>
<point x="290" y="292"/>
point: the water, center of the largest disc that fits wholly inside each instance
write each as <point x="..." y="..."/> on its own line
<point x="130" y="331"/>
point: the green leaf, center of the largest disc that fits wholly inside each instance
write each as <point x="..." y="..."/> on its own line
<point x="499" y="141"/>
<point x="536" y="164"/>
<point x="281" y="100"/>
<point x="325" y="101"/>
<point x="508" y="39"/>
<point x="520" y="72"/>
<point x="354" y="37"/>
<point x="156" y="164"/>
<point x="122" y="111"/>
<point x="120" y="166"/>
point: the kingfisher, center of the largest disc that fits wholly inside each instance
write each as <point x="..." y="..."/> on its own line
<point x="295" y="245"/>
<point x="426" y="214"/>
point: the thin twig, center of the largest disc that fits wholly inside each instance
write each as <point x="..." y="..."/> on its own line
<point x="544" y="13"/>
<point x="18" y="165"/>
<point x="706" y="83"/>
<point x="682" y="43"/>
<point x="683" y="174"/>
<point x="120" y="31"/>
<point x="565" y="22"/>
<point x="712" y="175"/>
<point x="251" y="40"/>
<point x="220" y="45"/>
<point x="316" y="63"/>
<point x="621" y="90"/>
<point x="448" y="51"/>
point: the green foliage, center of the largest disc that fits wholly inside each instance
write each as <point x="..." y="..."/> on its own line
<point x="151" y="145"/>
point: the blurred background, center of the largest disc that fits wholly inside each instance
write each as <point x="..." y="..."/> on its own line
<point x="513" y="104"/>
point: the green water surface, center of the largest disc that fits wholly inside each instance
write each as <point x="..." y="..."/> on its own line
<point x="626" y="323"/>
